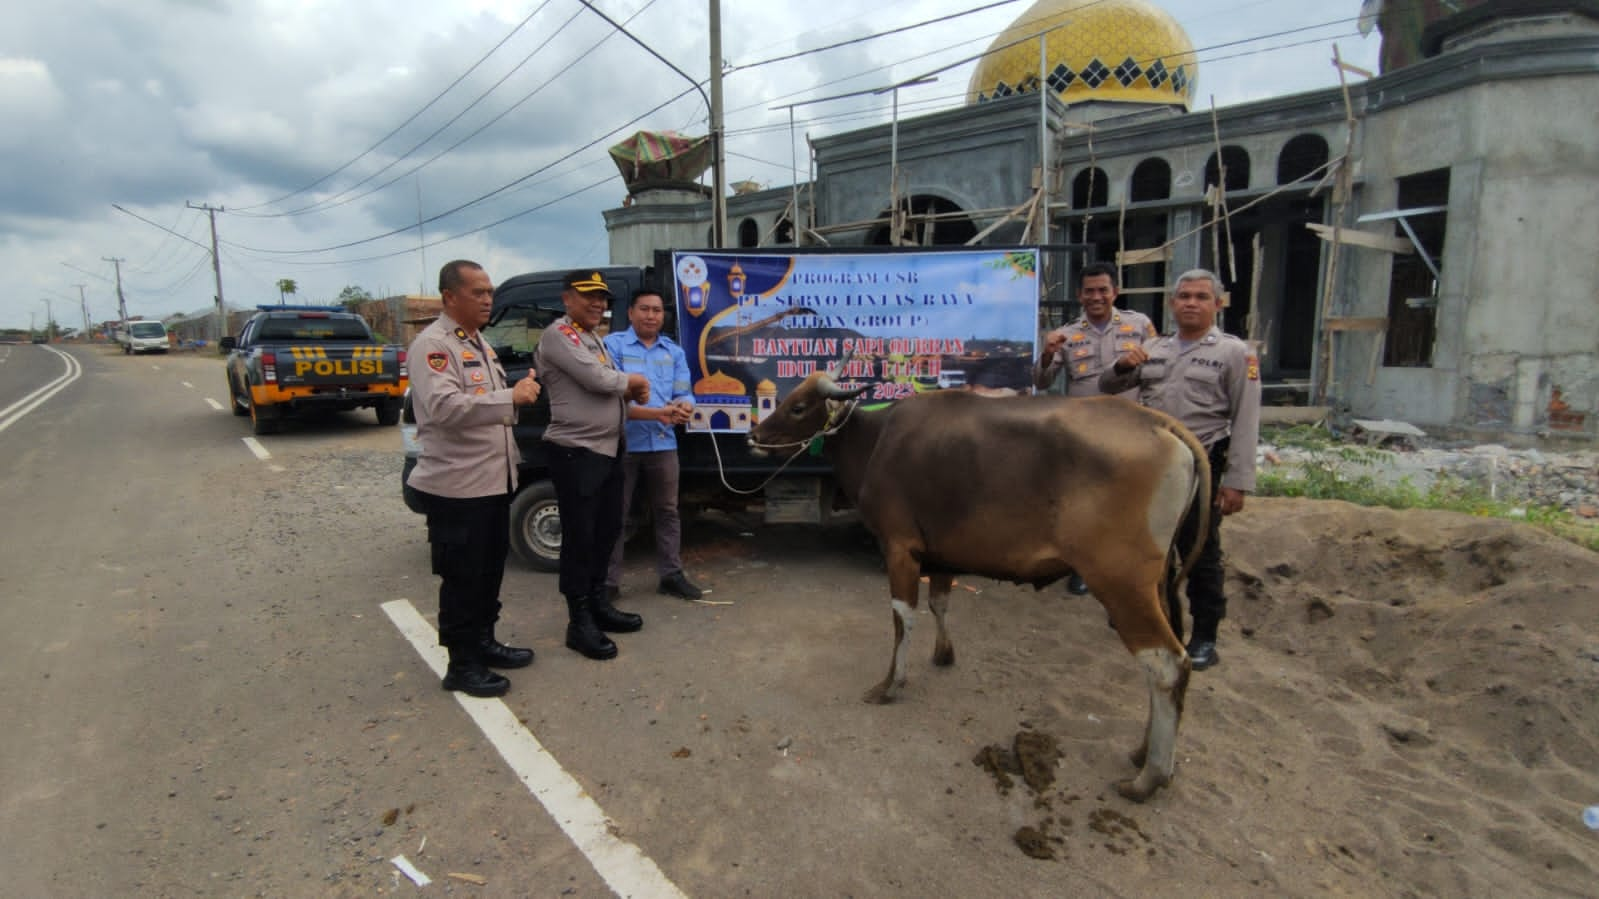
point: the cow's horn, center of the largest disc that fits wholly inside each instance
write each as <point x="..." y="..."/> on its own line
<point x="837" y="369"/>
<point x="829" y="389"/>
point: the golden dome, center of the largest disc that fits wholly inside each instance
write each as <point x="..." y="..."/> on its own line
<point x="765" y="388"/>
<point x="1129" y="51"/>
<point x="718" y="384"/>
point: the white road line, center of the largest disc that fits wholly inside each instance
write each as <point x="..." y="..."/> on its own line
<point x="623" y="866"/>
<point x="13" y="413"/>
<point x="214" y="404"/>
<point x="255" y="446"/>
<point x="188" y="385"/>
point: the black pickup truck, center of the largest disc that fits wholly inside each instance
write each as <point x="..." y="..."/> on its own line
<point x="523" y="307"/>
<point x="288" y="359"/>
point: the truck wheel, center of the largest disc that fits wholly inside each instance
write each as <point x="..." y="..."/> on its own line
<point x="536" y="527"/>
<point x="389" y="412"/>
<point x="263" y="421"/>
<point x="237" y="399"/>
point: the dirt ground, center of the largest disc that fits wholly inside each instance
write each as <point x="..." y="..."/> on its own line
<point x="1408" y="705"/>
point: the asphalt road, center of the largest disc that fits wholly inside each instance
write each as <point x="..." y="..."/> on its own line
<point x="206" y="693"/>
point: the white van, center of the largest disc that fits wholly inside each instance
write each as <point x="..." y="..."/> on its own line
<point x="143" y="337"/>
<point x="950" y="379"/>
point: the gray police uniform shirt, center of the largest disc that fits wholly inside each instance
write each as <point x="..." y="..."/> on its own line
<point x="585" y="388"/>
<point x="1089" y="351"/>
<point x="1212" y="386"/>
<point x="464" y="414"/>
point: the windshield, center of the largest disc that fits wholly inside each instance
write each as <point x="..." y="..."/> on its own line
<point x="147" y="329"/>
<point x="313" y="329"/>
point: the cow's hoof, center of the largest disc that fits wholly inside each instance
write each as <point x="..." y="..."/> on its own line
<point x="1136" y="790"/>
<point x="878" y="695"/>
<point x="944" y="656"/>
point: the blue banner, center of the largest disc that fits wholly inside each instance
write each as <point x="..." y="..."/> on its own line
<point x="755" y="324"/>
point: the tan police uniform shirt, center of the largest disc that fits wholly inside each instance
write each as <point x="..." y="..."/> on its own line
<point x="1212" y="387"/>
<point x="464" y="414"/>
<point x="1089" y="351"/>
<point x="585" y="389"/>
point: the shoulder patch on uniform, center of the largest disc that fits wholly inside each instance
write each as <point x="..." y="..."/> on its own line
<point x="1149" y="328"/>
<point x="438" y="361"/>
<point x="1252" y="372"/>
<point x="571" y="334"/>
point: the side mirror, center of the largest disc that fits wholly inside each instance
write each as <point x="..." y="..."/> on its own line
<point x="228" y="343"/>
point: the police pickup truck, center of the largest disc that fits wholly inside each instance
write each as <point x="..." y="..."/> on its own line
<point x="288" y="359"/>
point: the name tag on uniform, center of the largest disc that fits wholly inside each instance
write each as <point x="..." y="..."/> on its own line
<point x="468" y="362"/>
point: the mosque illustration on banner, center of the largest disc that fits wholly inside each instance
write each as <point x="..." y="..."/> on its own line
<point x="722" y="403"/>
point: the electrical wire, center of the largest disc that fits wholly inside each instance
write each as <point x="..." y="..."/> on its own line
<point x="396" y="130"/>
<point x="567" y="67"/>
<point x="333" y="201"/>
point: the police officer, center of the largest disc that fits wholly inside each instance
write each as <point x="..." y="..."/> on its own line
<point x="584" y="443"/>
<point x="466" y="475"/>
<point x="1088" y="346"/>
<point x="1209" y="381"/>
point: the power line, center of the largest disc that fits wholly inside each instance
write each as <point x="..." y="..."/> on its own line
<point x="870" y="37"/>
<point x="482" y="59"/>
<point x="328" y="202"/>
<point x="443" y="240"/>
<point x="475" y="201"/>
<point x="474" y="133"/>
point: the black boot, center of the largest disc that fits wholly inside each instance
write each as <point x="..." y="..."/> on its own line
<point x="610" y="618"/>
<point x="1202" y="645"/>
<point x="495" y="654"/>
<point x="468" y="675"/>
<point x="582" y="634"/>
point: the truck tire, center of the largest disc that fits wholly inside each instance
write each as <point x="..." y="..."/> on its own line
<point x="264" y="421"/>
<point x="536" y="527"/>
<point x="389" y="412"/>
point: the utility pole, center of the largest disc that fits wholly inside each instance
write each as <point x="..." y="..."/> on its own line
<point x="718" y="149"/>
<point x="122" y="304"/>
<point x="49" y="320"/>
<point x="83" y="304"/>
<point x="221" y="326"/>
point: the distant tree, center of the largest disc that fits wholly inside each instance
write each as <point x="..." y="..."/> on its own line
<point x="353" y="295"/>
<point x="286" y="286"/>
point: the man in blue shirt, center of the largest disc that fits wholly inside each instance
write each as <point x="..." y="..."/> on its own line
<point x="652" y="438"/>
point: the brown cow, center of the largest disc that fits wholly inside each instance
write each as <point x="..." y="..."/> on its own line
<point x="1024" y="489"/>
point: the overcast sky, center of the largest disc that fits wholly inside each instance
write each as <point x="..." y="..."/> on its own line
<point x="256" y="106"/>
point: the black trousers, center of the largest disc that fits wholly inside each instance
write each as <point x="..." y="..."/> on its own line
<point x="470" y="538"/>
<point x="1207" y="602"/>
<point x="588" y="491"/>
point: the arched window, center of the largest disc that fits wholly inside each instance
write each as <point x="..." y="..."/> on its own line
<point x="1301" y="156"/>
<point x="784" y="233"/>
<point x="950" y="228"/>
<point x="749" y="233"/>
<point x="1090" y="189"/>
<point x="1150" y="181"/>
<point x="1237" y="161"/>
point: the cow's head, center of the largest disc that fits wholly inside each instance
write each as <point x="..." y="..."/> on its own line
<point x="808" y="411"/>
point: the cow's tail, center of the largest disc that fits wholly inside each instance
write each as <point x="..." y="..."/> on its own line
<point x="1199" y="503"/>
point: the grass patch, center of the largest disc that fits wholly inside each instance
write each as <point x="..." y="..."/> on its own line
<point x="1348" y="473"/>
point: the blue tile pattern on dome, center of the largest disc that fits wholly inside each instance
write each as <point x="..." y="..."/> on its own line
<point x="1119" y="50"/>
